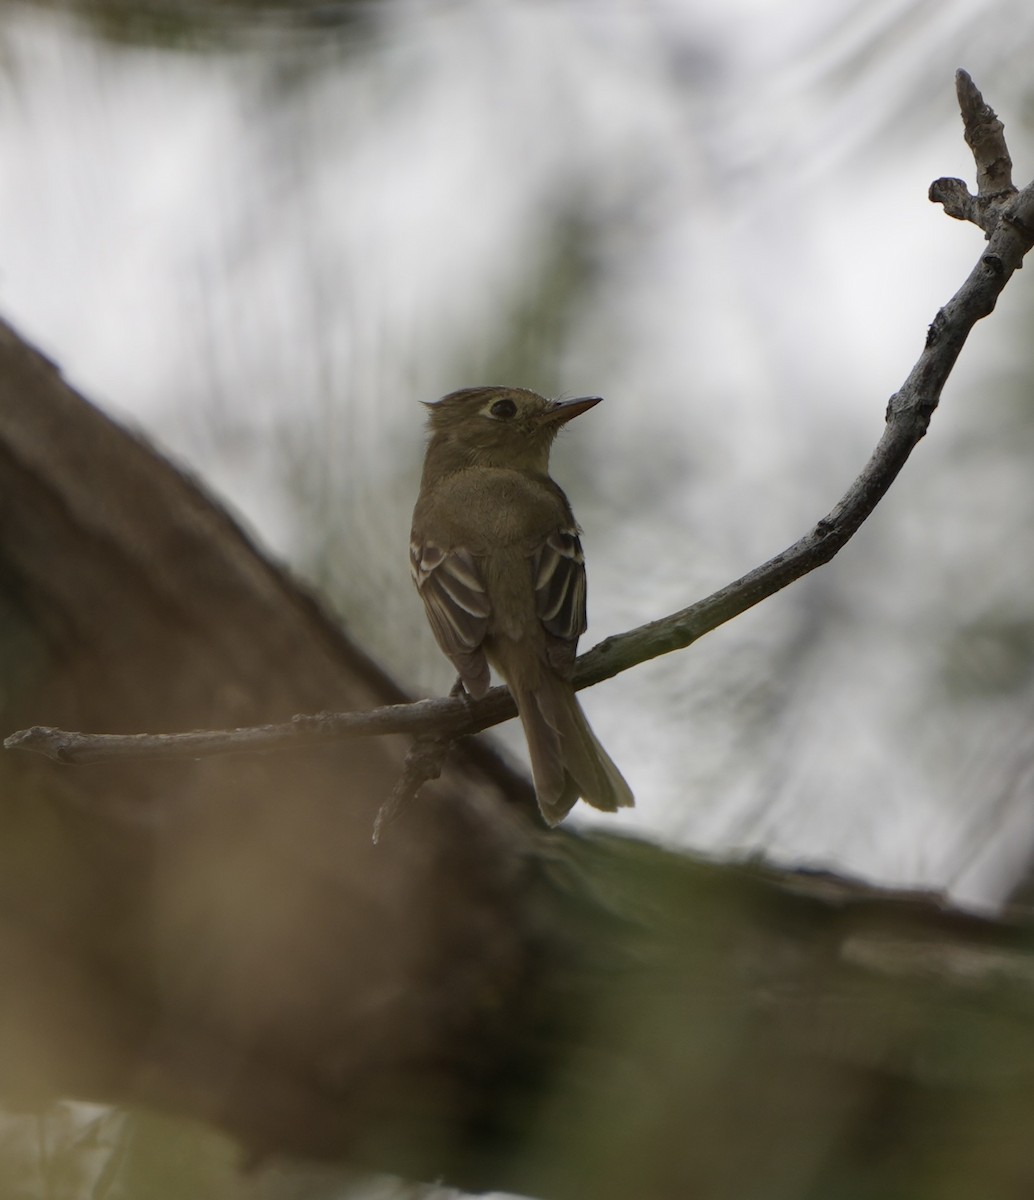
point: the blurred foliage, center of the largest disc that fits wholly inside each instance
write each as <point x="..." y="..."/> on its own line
<point x="193" y="25"/>
<point x="994" y="656"/>
<point x="539" y="318"/>
<point x="893" y="56"/>
<point x="85" y="1152"/>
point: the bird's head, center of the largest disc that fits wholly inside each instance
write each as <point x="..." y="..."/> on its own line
<point x="501" y="426"/>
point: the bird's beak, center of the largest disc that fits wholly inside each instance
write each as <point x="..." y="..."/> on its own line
<point x="559" y="411"/>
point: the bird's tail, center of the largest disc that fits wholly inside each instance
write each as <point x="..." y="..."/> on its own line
<point x="567" y="760"/>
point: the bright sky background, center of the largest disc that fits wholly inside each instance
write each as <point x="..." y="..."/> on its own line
<point x="266" y="269"/>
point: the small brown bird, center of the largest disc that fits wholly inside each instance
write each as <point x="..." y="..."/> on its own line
<point x="496" y="559"/>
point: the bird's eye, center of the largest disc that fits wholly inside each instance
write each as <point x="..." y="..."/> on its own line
<point x="503" y="410"/>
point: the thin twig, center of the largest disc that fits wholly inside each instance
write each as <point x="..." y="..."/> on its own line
<point x="449" y="717"/>
<point x="423" y="763"/>
<point x="1008" y="218"/>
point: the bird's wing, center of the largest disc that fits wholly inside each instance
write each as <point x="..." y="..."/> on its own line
<point x="558" y="570"/>
<point x="452" y="588"/>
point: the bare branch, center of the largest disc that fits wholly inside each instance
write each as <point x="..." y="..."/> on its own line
<point x="448" y="716"/>
<point x="1008" y="218"/>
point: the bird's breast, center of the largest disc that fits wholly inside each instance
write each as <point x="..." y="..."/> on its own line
<point x="489" y="509"/>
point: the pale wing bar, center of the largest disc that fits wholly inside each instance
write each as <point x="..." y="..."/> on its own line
<point x="558" y="567"/>
<point x="453" y="591"/>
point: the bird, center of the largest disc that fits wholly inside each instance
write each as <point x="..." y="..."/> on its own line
<point x="496" y="557"/>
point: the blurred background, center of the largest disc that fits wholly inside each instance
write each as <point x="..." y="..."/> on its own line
<point x="263" y="233"/>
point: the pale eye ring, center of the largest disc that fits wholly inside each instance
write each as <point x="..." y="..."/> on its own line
<point x="503" y="410"/>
